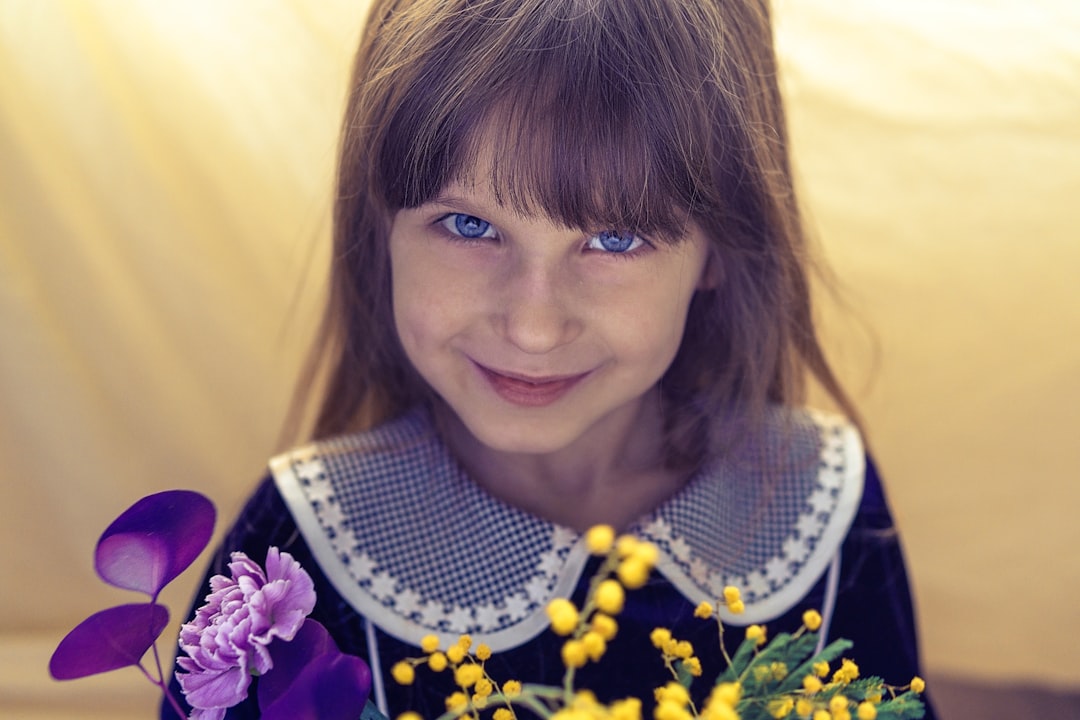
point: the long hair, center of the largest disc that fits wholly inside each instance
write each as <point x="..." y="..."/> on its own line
<point x="642" y="114"/>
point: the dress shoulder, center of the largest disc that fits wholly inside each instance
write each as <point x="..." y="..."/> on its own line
<point x="768" y="519"/>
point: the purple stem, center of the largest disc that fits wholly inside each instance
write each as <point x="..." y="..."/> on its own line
<point x="159" y="682"/>
<point x="172" y="700"/>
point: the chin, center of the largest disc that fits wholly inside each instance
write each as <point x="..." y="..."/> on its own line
<point x="525" y="438"/>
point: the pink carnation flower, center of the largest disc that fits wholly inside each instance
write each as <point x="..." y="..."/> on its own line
<point x="227" y="641"/>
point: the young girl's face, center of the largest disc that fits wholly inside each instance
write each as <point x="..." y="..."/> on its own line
<point x="535" y="334"/>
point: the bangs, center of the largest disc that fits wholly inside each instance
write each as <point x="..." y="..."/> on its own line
<point x="583" y="116"/>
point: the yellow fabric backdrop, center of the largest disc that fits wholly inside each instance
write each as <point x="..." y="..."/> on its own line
<point x="165" y="174"/>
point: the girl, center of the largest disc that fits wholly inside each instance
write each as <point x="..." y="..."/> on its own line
<point x="570" y="287"/>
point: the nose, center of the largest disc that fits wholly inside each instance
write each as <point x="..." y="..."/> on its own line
<point x="536" y="310"/>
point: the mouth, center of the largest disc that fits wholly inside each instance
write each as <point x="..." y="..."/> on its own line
<point x="529" y="391"/>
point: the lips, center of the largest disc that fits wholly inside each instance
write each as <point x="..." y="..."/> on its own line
<point x="529" y="391"/>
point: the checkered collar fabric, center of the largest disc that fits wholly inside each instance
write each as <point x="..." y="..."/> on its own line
<point x="415" y="545"/>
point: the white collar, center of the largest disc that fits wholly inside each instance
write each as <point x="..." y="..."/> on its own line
<point x="417" y="547"/>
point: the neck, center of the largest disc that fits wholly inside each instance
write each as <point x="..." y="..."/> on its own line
<point x="613" y="474"/>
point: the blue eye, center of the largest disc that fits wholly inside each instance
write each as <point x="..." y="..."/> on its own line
<point x="468" y="226"/>
<point x="615" y="242"/>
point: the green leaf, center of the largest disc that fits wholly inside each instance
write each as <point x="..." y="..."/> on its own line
<point x="739" y="661"/>
<point x="828" y="654"/>
<point x="906" y="706"/>
<point x="753" y="709"/>
<point x="371" y="712"/>
<point x="861" y="688"/>
<point x="683" y="672"/>
<point x="787" y="649"/>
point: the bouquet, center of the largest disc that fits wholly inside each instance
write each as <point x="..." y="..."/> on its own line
<point x="255" y="624"/>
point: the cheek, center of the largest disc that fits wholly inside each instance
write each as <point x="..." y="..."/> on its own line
<point x="661" y="304"/>
<point x="647" y="332"/>
<point x="410" y="294"/>
<point x="431" y="301"/>
<point x="415" y="308"/>
<point x="670" y="327"/>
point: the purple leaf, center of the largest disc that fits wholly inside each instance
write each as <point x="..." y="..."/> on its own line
<point x="332" y="687"/>
<point x="154" y="540"/>
<point x="290" y="658"/>
<point x="312" y="680"/>
<point x="108" y="640"/>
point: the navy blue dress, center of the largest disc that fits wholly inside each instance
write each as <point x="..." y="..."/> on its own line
<point x="815" y="531"/>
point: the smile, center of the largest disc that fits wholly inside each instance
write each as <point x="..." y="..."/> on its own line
<point x="529" y="391"/>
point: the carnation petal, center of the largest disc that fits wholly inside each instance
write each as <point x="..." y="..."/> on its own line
<point x="108" y="640"/>
<point x="246" y="572"/>
<point x="154" y="540"/>
<point x="207" y="714"/>
<point x="300" y="589"/>
<point x="214" y="689"/>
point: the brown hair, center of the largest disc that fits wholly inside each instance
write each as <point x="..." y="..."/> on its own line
<point x="637" y="114"/>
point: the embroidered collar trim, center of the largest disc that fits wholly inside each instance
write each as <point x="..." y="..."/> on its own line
<point x="417" y="547"/>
